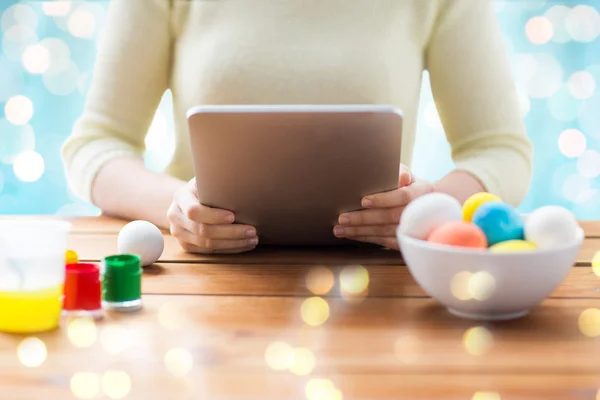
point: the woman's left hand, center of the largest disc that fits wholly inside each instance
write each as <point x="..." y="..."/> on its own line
<point x="377" y="224"/>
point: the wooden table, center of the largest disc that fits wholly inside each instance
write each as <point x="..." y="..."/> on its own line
<point x="275" y="324"/>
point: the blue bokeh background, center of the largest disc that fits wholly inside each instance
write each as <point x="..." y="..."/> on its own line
<point x="554" y="46"/>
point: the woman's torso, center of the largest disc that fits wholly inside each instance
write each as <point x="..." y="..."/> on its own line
<point x="298" y="52"/>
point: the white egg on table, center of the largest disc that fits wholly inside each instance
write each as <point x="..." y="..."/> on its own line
<point x="427" y="212"/>
<point x="143" y="239"/>
<point x="550" y="227"/>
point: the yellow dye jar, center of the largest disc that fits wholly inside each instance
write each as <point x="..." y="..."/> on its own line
<point x="30" y="311"/>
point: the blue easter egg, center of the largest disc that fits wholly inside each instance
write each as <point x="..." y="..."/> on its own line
<point x="499" y="221"/>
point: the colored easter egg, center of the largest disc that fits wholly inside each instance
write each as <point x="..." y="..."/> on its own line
<point x="499" y="221"/>
<point x="474" y="202"/>
<point x="427" y="212"/>
<point x="550" y="227"/>
<point x="513" y="246"/>
<point x="459" y="233"/>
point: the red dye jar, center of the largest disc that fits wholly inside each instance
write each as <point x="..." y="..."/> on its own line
<point x="82" y="295"/>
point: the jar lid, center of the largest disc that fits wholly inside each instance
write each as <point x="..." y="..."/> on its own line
<point x="122" y="264"/>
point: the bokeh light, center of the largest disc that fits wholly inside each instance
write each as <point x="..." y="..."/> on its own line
<point x="557" y="15"/>
<point x="32" y="352"/>
<point x="572" y="143"/>
<point x="588" y="164"/>
<point x="18" y="14"/>
<point x="576" y="188"/>
<point x="56" y="8"/>
<point x="478" y="341"/>
<point x="540" y="74"/>
<point x="459" y="285"/>
<point x="478" y="286"/>
<point x="62" y="79"/>
<point x="314" y="311"/>
<point x="316" y="387"/>
<point x="583" y="23"/>
<point x="481" y="285"/>
<point x="82" y="24"/>
<point x="279" y="356"/>
<point x="82" y="332"/>
<point x="116" y="384"/>
<point x="563" y="107"/>
<point x="589" y="322"/>
<point x="303" y="362"/>
<point x="36" y="59"/>
<point x="59" y="52"/>
<point x="179" y="362"/>
<point x="486" y="396"/>
<point x="322" y="389"/>
<point x="582" y="85"/>
<point x="17" y="39"/>
<point x="18" y="110"/>
<point x="85" y="385"/>
<point x="28" y="166"/>
<point x="320" y="280"/>
<point x="115" y="339"/>
<point x="596" y="263"/>
<point x="172" y="316"/>
<point x="539" y="30"/>
<point x="354" y="279"/>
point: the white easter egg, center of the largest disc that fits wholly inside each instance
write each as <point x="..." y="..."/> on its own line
<point x="427" y="212"/>
<point x="550" y="227"/>
<point x="143" y="239"/>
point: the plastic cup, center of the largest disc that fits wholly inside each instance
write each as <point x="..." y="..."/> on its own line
<point x="32" y="274"/>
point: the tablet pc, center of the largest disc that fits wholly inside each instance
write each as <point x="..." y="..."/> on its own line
<point x="290" y="170"/>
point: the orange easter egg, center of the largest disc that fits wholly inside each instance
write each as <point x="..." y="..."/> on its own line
<point x="460" y="234"/>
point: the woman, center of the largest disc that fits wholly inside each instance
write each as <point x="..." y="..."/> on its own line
<point x="294" y="52"/>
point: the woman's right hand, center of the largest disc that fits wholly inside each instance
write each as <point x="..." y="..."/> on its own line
<point x="201" y="229"/>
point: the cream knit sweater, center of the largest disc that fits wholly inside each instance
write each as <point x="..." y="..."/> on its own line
<point x="304" y="52"/>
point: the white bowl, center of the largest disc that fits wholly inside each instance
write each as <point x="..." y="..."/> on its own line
<point x="477" y="284"/>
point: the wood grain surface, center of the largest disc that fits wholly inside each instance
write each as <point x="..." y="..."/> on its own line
<point x="297" y="280"/>
<point x="277" y="324"/>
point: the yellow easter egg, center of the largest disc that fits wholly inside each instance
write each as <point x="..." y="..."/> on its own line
<point x="513" y="246"/>
<point x="473" y="203"/>
<point x="72" y="257"/>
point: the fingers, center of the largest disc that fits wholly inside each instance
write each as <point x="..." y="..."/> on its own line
<point x="230" y="231"/>
<point x="399" y="197"/>
<point x="371" y="217"/>
<point x="193" y="210"/>
<point x="202" y="244"/>
<point x="213" y="216"/>
<point x="368" y="230"/>
<point x="404" y="179"/>
<point x="224" y="231"/>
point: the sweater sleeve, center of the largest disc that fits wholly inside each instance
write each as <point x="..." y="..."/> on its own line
<point x="130" y="76"/>
<point x="475" y="95"/>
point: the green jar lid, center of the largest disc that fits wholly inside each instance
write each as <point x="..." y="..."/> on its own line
<point x="122" y="278"/>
